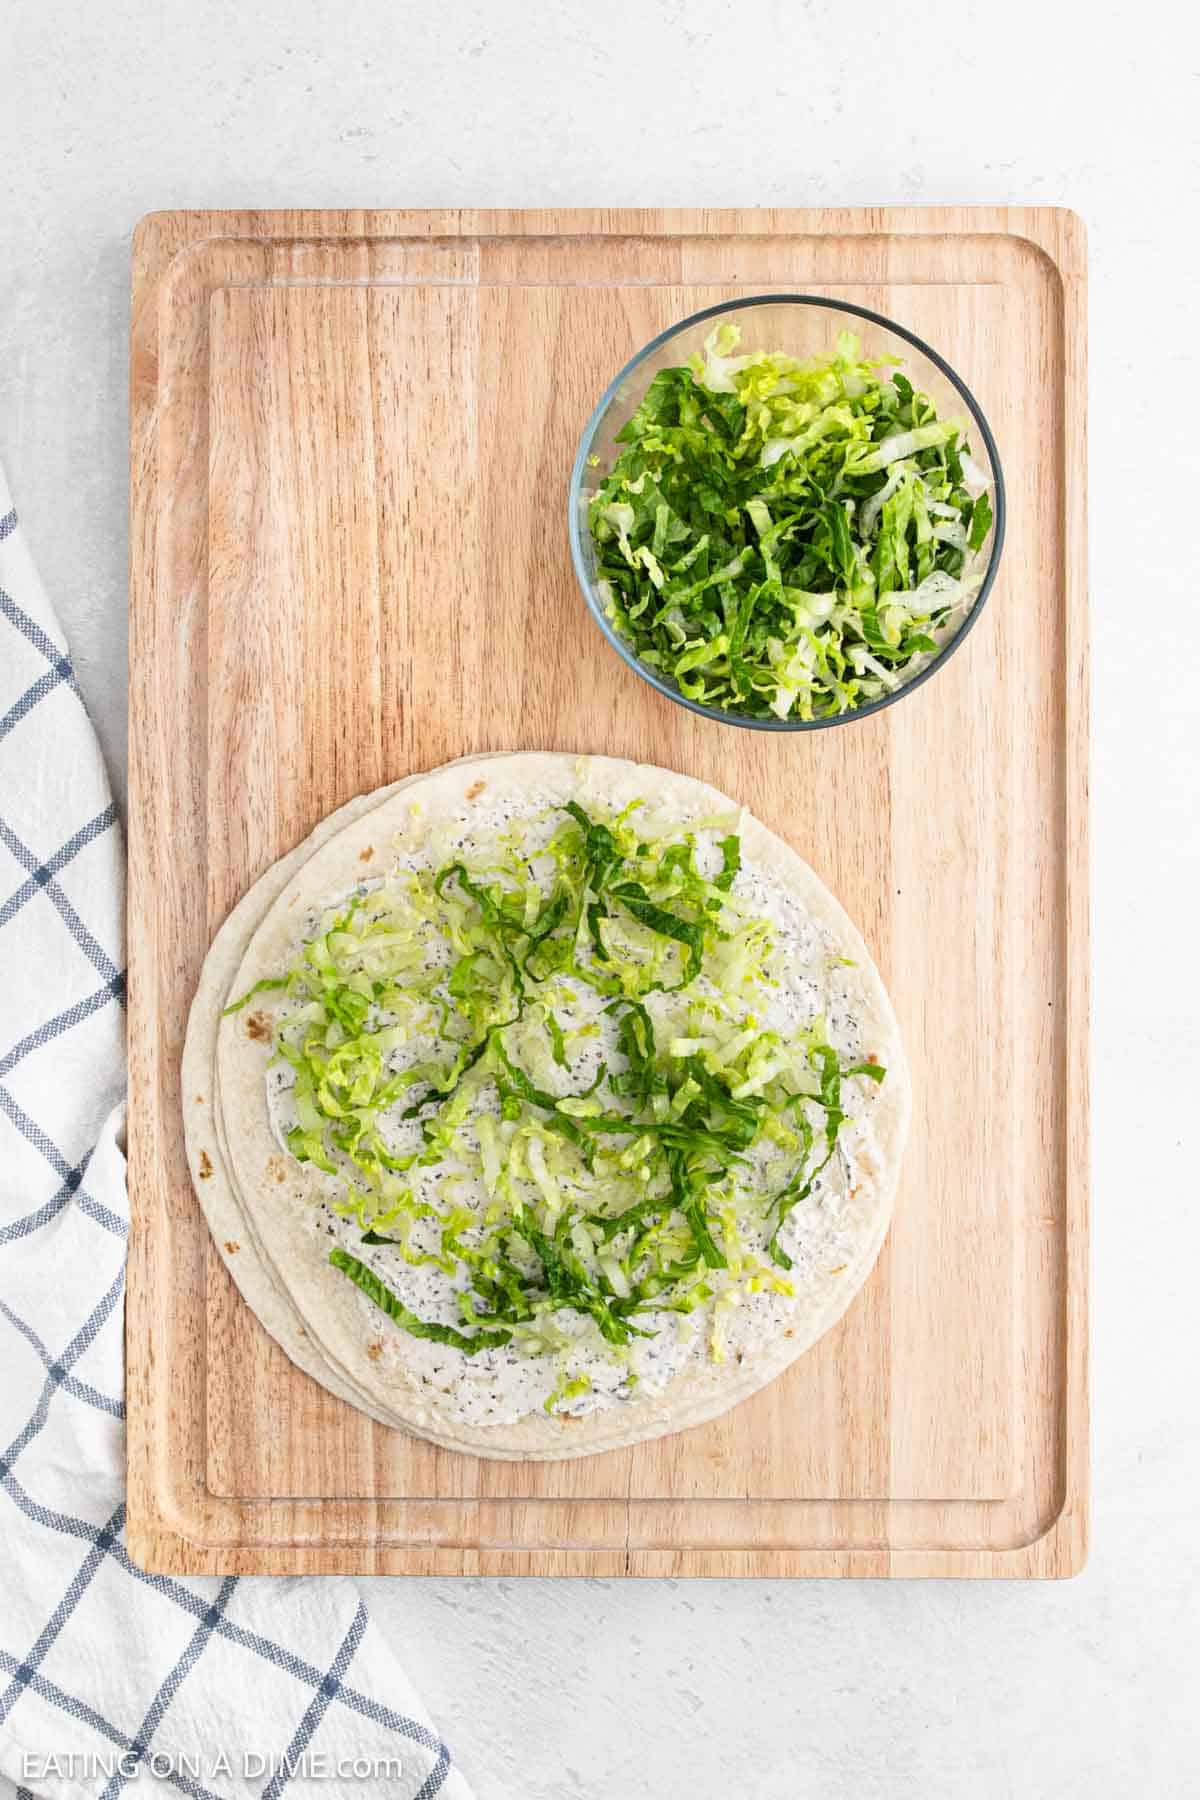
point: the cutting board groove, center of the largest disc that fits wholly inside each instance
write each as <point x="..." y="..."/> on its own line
<point x="351" y="435"/>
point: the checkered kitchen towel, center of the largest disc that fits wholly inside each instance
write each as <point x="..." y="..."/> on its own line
<point x="111" y="1679"/>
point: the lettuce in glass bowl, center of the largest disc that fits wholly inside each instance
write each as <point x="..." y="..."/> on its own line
<point x="786" y="513"/>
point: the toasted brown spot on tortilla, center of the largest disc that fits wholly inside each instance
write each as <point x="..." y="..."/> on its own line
<point x="199" y="1099"/>
<point x="367" y="854"/>
<point x="232" y="1247"/>
<point x="205" y="1165"/>
<point x="789" y="1332"/>
<point x="476" y="788"/>
<point x="258" y="1026"/>
<point x="375" y="1350"/>
<point x="277" y="1168"/>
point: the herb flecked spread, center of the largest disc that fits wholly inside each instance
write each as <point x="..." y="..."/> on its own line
<point x="544" y="1071"/>
<point x="788" y="538"/>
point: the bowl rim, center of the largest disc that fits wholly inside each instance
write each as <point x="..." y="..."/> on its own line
<point x="746" y="721"/>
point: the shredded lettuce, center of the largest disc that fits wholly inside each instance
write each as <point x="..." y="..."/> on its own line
<point x="369" y="1283"/>
<point x="567" y="1388"/>
<point x="613" y="1192"/>
<point x="784" y="538"/>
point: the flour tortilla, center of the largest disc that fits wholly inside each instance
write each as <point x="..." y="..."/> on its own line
<point x="276" y="1196"/>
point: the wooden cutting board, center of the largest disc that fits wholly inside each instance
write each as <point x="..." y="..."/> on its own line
<point x="351" y="440"/>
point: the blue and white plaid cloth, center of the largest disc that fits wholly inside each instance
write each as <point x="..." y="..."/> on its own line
<point x="110" y="1678"/>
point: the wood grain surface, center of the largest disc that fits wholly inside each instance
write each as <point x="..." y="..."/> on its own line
<point x="351" y="440"/>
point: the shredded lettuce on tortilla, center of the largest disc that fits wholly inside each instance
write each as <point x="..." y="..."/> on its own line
<point x="617" y="1191"/>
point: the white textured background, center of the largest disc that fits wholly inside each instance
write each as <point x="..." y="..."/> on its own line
<point x="768" y="1691"/>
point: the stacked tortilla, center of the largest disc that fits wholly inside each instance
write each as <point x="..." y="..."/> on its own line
<point x="262" y="1206"/>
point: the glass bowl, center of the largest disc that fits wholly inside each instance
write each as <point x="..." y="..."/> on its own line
<point x="803" y="326"/>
